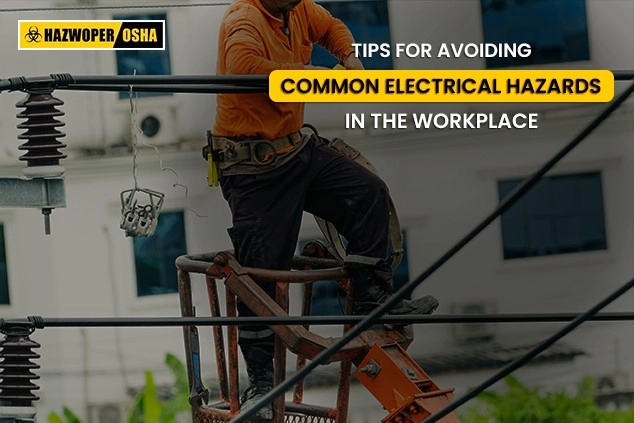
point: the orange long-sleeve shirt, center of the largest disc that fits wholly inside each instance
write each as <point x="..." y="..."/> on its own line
<point x="251" y="41"/>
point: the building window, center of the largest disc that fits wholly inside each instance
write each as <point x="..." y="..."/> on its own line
<point x="144" y="62"/>
<point x="329" y="299"/>
<point x="561" y="214"/>
<point x="368" y="21"/>
<point x="154" y="256"/>
<point x="557" y="30"/>
<point x="4" y="274"/>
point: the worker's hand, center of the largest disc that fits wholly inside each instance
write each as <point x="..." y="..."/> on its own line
<point x="313" y="67"/>
<point x="352" y="62"/>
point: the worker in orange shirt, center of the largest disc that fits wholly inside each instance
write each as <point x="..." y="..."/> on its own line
<point x="270" y="173"/>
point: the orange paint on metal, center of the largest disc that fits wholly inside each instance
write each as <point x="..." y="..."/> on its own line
<point x="401" y="386"/>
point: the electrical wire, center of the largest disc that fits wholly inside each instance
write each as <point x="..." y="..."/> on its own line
<point x="133" y="132"/>
<point x="136" y="129"/>
<point x="74" y="322"/>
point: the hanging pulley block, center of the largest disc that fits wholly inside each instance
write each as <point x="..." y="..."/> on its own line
<point x="140" y="208"/>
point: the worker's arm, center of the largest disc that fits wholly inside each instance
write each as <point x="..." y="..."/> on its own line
<point x="245" y="53"/>
<point x="332" y="34"/>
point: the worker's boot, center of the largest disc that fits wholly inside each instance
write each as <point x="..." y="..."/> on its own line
<point x="260" y="383"/>
<point x="373" y="286"/>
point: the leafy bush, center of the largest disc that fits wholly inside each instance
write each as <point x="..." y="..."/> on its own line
<point x="521" y="404"/>
<point x="147" y="408"/>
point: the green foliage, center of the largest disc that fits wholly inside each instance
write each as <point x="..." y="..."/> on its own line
<point x="146" y="407"/>
<point x="179" y="403"/>
<point x="521" y="404"/>
<point x="69" y="417"/>
<point x="54" y="418"/>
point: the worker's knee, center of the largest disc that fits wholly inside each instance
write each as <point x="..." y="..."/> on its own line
<point x="248" y="242"/>
<point x="376" y="193"/>
<point x="259" y="349"/>
<point x="380" y="188"/>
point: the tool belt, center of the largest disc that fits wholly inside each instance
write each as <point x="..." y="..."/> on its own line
<point x="226" y="152"/>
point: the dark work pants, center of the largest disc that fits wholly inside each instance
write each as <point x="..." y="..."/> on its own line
<point x="267" y="212"/>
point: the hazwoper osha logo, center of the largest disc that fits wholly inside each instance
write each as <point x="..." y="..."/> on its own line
<point x="91" y="35"/>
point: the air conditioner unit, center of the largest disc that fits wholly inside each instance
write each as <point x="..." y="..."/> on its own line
<point x="467" y="333"/>
<point x="156" y="125"/>
<point x="108" y="412"/>
<point x="613" y="392"/>
<point x="611" y="383"/>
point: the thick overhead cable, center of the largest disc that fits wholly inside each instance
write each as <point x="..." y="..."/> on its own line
<point x="623" y="75"/>
<point x="191" y="89"/>
<point x="177" y="321"/>
<point x="102" y="83"/>
<point x="209" y="84"/>
<point x="161" y="79"/>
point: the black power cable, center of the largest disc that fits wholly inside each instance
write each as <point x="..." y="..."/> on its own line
<point x="103" y="83"/>
<point x="115" y="82"/>
<point x="191" y="89"/>
<point x="39" y="322"/>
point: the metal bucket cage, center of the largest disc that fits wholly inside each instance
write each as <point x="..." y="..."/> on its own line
<point x="298" y="339"/>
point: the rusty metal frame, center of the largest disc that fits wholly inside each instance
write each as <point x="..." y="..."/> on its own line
<point x="240" y="283"/>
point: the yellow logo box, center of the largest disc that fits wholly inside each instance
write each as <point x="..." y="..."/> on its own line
<point x="442" y="86"/>
<point x="91" y="35"/>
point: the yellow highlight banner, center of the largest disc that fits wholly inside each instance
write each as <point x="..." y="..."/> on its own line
<point x="442" y="86"/>
<point x="91" y="35"/>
